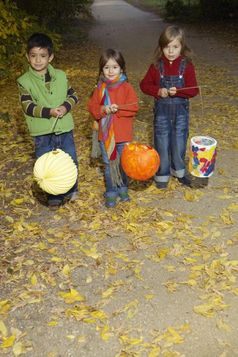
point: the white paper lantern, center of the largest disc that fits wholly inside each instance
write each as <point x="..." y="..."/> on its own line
<point x="55" y="172"/>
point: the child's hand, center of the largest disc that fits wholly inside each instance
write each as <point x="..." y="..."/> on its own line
<point x="62" y="111"/>
<point x="172" y="91"/>
<point x="58" y="112"/>
<point x="114" y="108"/>
<point x="163" y="92"/>
<point x="110" y="109"/>
<point x="106" y="109"/>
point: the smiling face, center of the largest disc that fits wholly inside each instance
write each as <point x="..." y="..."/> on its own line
<point x="173" y="49"/>
<point x="111" y="70"/>
<point x="39" y="59"/>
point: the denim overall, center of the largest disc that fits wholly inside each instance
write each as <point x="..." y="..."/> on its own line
<point x="171" y="123"/>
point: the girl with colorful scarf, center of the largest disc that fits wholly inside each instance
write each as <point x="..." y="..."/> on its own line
<point x="113" y="105"/>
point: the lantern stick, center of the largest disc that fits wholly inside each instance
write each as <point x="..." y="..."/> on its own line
<point x="199" y="87"/>
<point x="122" y="106"/>
<point x="54" y="125"/>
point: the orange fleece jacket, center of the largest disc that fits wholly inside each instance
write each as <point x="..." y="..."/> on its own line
<point x="123" y="118"/>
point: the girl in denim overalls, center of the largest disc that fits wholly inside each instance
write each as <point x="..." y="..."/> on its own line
<point x="171" y="80"/>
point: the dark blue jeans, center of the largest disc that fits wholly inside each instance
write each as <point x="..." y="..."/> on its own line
<point x="65" y="142"/>
<point x="110" y="189"/>
<point x="171" y="124"/>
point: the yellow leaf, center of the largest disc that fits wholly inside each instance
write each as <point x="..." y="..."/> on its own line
<point x="222" y="325"/>
<point x="130" y="341"/>
<point x="107" y="293"/>
<point x="17" y="201"/>
<point x="235" y="291"/>
<point x="71" y="296"/>
<point x="193" y="195"/>
<point x="8" y="342"/>
<point x="132" y="308"/>
<point x="173" y="336"/>
<point x="70" y="337"/>
<point x="149" y="296"/>
<point x="99" y="314"/>
<point x="29" y="262"/>
<point x="4" y="306"/>
<point x="81" y="339"/>
<point x="226" y="217"/>
<point x="53" y="323"/>
<point x="162" y="253"/>
<point x="104" y="333"/>
<point x="91" y="252"/>
<point x="18" y="349"/>
<point x="66" y="270"/>
<point x="233" y="207"/>
<point x="155" y="352"/>
<point x="33" y="280"/>
<point x="204" y="310"/>
<point x="89" y="280"/>
<point x="3" y="329"/>
<point x="9" y="219"/>
<point x="56" y="259"/>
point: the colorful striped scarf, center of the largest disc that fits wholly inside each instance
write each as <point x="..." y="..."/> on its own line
<point x="108" y="136"/>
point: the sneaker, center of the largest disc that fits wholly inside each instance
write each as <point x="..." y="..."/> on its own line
<point x="72" y="196"/>
<point x="110" y="202"/>
<point x="54" y="202"/>
<point x="124" y="197"/>
<point x="161" y="184"/>
<point x="185" y="181"/>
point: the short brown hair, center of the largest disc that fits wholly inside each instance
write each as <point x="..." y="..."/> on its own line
<point x="112" y="54"/>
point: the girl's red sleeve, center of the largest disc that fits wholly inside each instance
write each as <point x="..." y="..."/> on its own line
<point x="150" y="83"/>
<point x="94" y="105"/>
<point x="127" y="100"/>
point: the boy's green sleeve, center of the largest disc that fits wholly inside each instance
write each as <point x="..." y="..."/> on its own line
<point x="71" y="99"/>
<point x="29" y="107"/>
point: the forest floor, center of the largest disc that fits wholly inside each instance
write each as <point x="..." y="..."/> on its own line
<point x="156" y="276"/>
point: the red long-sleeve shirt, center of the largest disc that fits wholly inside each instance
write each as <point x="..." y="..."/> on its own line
<point x="150" y="84"/>
<point x="124" y="96"/>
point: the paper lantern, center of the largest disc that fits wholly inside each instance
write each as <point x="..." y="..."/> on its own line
<point x="55" y="172"/>
<point x="139" y="161"/>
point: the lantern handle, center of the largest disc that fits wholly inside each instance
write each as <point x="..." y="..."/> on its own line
<point x="54" y="125"/>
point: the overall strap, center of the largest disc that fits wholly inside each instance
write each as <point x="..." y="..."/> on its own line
<point x="161" y="68"/>
<point x="182" y="67"/>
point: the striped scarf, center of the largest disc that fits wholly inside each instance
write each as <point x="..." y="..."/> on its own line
<point x="108" y="136"/>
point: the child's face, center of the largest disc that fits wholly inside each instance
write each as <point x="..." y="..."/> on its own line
<point x="39" y="59"/>
<point x="172" y="50"/>
<point x="111" y="69"/>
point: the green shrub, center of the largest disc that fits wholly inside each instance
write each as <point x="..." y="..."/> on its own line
<point x="15" y="28"/>
<point x="55" y="14"/>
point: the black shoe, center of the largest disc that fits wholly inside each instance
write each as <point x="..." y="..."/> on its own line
<point x="54" y="202"/>
<point x="185" y="181"/>
<point x="161" y="184"/>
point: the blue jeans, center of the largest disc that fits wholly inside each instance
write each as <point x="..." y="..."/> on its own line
<point x="65" y="142"/>
<point x="171" y="125"/>
<point x="110" y="189"/>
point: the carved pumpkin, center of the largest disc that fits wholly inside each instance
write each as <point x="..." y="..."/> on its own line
<point x="139" y="161"/>
<point x="55" y="172"/>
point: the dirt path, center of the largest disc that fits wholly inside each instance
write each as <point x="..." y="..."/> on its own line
<point x="154" y="277"/>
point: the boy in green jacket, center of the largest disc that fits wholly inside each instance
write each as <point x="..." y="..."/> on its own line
<point x="47" y="100"/>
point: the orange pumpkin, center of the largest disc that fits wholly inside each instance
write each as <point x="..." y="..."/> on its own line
<point x="139" y="161"/>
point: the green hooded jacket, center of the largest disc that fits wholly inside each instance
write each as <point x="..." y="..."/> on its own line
<point x="49" y="98"/>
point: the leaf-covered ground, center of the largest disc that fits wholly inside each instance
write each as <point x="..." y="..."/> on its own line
<point x="153" y="277"/>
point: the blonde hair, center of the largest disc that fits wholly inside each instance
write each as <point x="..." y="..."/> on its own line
<point x="169" y="34"/>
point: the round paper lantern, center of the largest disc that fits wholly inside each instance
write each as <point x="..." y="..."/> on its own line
<point x="55" y="172"/>
<point x="139" y="161"/>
